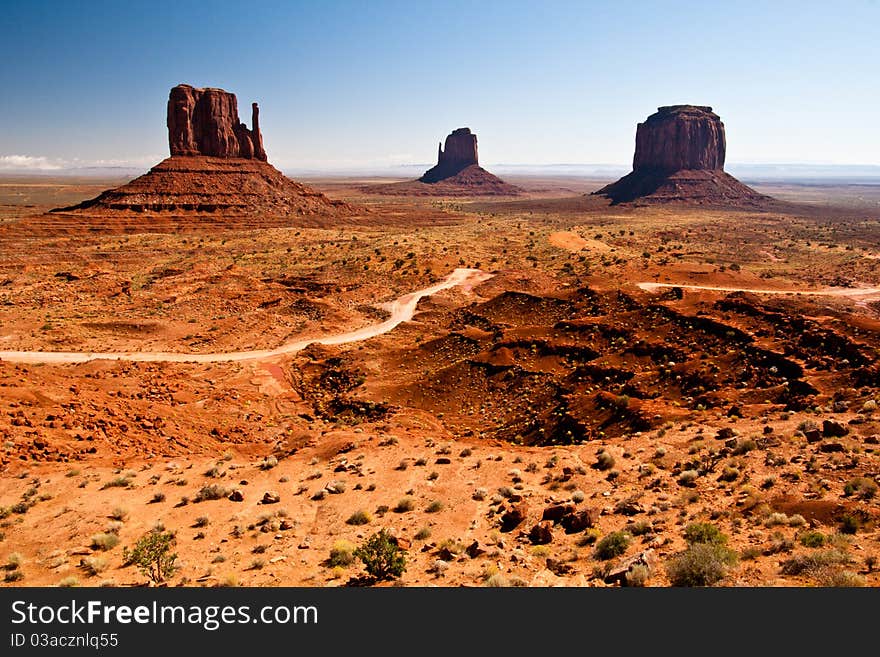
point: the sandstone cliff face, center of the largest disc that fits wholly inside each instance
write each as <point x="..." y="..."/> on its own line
<point x="458" y="152"/>
<point x="205" y="122"/>
<point x="680" y="137"/>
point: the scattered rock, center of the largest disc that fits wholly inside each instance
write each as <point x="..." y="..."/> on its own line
<point x="270" y="497"/>
<point x="513" y="515"/>
<point x="833" y="429"/>
<point x="579" y="521"/>
<point x="556" y="512"/>
<point x="474" y="550"/>
<point x="236" y="496"/>
<point x="542" y="533"/>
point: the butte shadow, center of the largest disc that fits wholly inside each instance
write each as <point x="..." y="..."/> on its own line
<point x="679" y="157"/>
<point x="457" y="173"/>
<point x="218" y="167"/>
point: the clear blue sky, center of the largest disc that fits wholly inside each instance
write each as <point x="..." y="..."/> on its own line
<point x="374" y="83"/>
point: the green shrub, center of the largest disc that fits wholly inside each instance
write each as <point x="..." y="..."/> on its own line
<point x="701" y="564"/>
<point x="612" y="545"/>
<point x="382" y="557"/>
<point x="850" y="524"/>
<point x="704" y="532"/>
<point x="434" y="507"/>
<point x="812" y="539"/>
<point x="152" y="555"/>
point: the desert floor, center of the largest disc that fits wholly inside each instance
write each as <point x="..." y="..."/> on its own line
<point x="590" y="380"/>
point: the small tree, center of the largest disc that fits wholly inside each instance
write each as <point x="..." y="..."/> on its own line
<point x="152" y="555"/>
<point x="382" y="556"/>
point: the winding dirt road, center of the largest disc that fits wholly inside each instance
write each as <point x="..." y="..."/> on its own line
<point x="828" y="292"/>
<point x="401" y="309"/>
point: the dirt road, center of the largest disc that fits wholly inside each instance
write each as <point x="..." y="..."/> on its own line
<point x="401" y="309"/>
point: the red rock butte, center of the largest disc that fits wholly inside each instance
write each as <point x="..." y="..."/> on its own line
<point x="217" y="167"/>
<point x="457" y="173"/>
<point x="679" y="156"/>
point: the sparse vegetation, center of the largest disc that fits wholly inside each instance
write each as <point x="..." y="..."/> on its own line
<point x="381" y="556"/>
<point x="612" y="545"/>
<point x="153" y="556"/>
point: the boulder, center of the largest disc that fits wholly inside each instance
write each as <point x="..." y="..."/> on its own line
<point x="542" y="533"/>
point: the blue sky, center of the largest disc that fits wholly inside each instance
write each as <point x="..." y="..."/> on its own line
<point x="349" y="84"/>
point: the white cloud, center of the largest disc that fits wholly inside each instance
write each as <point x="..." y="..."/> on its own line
<point x="42" y="163"/>
<point x="29" y="163"/>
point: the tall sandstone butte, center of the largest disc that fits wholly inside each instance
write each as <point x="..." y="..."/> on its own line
<point x="205" y="122"/>
<point x="679" y="156"/>
<point x="217" y="167"/>
<point x="458" y="153"/>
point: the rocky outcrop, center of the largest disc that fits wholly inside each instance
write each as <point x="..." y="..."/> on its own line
<point x="457" y="173"/>
<point x="458" y="153"/>
<point x="679" y="156"/>
<point x="205" y="122"/>
<point x="217" y="167"/>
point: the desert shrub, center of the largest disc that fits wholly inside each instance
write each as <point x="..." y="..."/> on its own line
<point x="13" y="576"/>
<point x="268" y="463"/>
<point x="119" y="514"/>
<point x="578" y="496"/>
<point x="604" y="460"/>
<point x="701" y="564"/>
<point x="638" y="575"/>
<point x="688" y="478"/>
<point x="743" y="446"/>
<point x="152" y="555"/>
<point x="94" y="565"/>
<point x="775" y="519"/>
<point x="157" y="497"/>
<point x="423" y="534"/>
<point x="812" y="539"/>
<point x="68" y="582"/>
<point x="497" y="581"/>
<point x="639" y="528"/>
<point x="704" y="532"/>
<point x="404" y="504"/>
<point x="850" y="523"/>
<point x="814" y="562"/>
<point x="862" y="487"/>
<point x="612" y="545"/>
<point x="729" y="474"/>
<point x="122" y="481"/>
<point x="13" y="561"/>
<point x="104" y="541"/>
<point x="211" y="492"/>
<point x="359" y="518"/>
<point x="434" y="507"/>
<point x="381" y="556"/>
<point x="201" y="521"/>
<point x="839" y="578"/>
<point x="797" y="520"/>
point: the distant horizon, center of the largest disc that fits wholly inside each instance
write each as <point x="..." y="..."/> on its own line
<point x="345" y="85"/>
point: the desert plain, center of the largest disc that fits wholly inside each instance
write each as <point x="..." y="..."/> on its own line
<point x="614" y="379"/>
